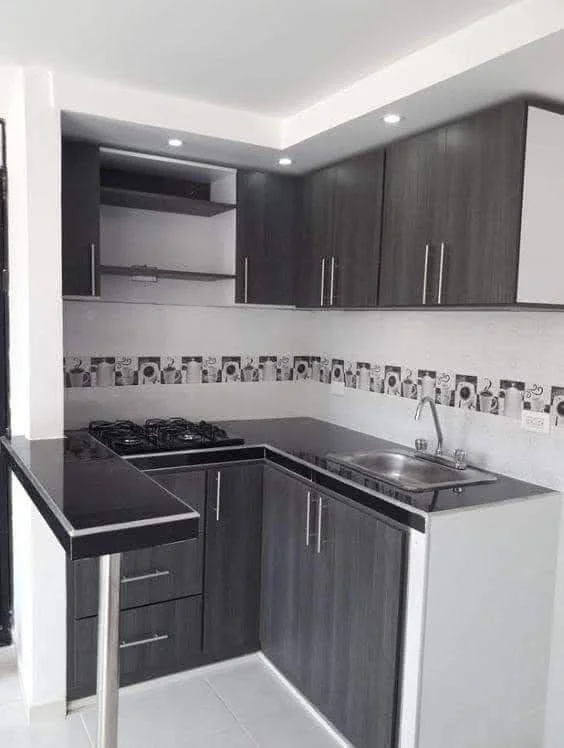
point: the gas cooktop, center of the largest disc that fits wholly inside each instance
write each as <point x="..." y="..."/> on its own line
<point x="160" y="435"/>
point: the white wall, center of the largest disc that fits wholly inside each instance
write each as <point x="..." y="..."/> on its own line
<point x="137" y="329"/>
<point x="525" y="346"/>
<point x="36" y="391"/>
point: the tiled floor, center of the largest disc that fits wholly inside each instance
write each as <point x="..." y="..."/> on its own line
<point x="241" y="704"/>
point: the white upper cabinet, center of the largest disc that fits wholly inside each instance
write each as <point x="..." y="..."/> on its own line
<point x="541" y="262"/>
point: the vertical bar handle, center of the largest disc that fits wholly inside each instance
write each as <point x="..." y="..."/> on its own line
<point x="217" y="507"/>
<point x="441" y="273"/>
<point x="308" y="518"/>
<point x="425" y="274"/>
<point x="246" y="278"/>
<point x="322" y="281"/>
<point x="319" y="524"/>
<point x="332" y="287"/>
<point x="92" y="269"/>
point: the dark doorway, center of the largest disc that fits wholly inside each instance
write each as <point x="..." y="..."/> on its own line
<point x="5" y="532"/>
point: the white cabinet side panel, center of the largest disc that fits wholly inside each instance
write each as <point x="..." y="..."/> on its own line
<point x="541" y="263"/>
<point x="413" y="639"/>
<point x="488" y="625"/>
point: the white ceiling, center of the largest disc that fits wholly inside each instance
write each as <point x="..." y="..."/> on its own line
<point x="269" y="56"/>
<point x="534" y="70"/>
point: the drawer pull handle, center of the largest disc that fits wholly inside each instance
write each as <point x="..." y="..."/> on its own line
<point x="142" y="642"/>
<point x="319" y="524"/>
<point x="217" y="507"/>
<point x="142" y="577"/>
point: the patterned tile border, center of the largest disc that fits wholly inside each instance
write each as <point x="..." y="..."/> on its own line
<point x="486" y="394"/>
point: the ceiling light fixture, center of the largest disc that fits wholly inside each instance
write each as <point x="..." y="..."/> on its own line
<point x="391" y="119"/>
<point x="175" y="142"/>
<point x="285" y="161"/>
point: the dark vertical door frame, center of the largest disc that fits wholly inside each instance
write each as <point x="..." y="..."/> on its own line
<point x="5" y="513"/>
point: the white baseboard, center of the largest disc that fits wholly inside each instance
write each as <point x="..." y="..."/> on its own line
<point x="308" y="706"/>
<point x="52" y="711"/>
<point x="165" y="680"/>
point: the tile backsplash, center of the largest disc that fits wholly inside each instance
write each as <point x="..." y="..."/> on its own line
<point x="119" y="370"/>
<point x="472" y="391"/>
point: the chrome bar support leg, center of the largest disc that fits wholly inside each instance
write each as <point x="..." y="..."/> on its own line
<point x="107" y="687"/>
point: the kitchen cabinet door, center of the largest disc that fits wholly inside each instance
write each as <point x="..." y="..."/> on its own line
<point x="355" y="259"/>
<point x="314" y="258"/>
<point x="232" y="561"/>
<point x="412" y="193"/>
<point x="80" y="219"/>
<point x="155" y="640"/>
<point x="481" y="209"/>
<point x="149" y="575"/>
<point x="359" y="580"/>
<point x="287" y="613"/>
<point x="268" y="226"/>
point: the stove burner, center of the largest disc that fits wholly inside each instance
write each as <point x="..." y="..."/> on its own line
<point x="187" y="436"/>
<point x="160" y="435"/>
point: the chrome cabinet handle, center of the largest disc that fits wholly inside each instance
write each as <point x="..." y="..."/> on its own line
<point x="322" y="281"/>
<point x="246" y="293"/>
<point x="142" y="577"/>
<point x="217" y="507"/>
<point x="332" y="286"/>
<point x="441" y="274"/>
<point x="92" y="269"/>
<point x="308" y="518"/>
<point x="147" y="640"/>
<point x="425" y="274"/>
<point x="319" y="524"/>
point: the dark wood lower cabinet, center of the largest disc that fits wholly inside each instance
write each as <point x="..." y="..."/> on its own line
<point x="159" y="639"/>
<point x="331" y="608"/>
<point x="286" y="605"/>
<point x="232" y="560"/>
<point x="148" y="576"/>
<point x="314" y="581"/>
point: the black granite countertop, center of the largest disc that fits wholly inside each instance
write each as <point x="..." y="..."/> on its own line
<point x="94" y="501"/>
<point x="97" y="502"/>
<point x="305" y="446"/>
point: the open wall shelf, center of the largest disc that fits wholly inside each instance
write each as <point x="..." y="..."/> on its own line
<point x="129" y="198"/>
<point x="154" y="273"/>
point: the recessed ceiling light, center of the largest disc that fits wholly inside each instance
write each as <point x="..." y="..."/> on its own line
<point x="175" y="142"/>
<point x="285" y="161"/>
<point x="392" y="119"/>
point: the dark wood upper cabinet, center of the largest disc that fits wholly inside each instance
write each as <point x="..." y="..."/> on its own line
<point x="478" y="236"/>
<point x="353" y="273"/>
<point x="316" y="249"/>
<point x="232" y="561"/>
<point x="268" y="224"/>
<point x="452" y="212"/>
<point x="340" y="257"/>
<point x="411" y="194"/>
<point x="80" y="218"/>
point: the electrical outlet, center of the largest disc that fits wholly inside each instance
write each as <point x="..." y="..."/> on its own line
<point x="338" y="389"/>
<point x="539" y="423"/>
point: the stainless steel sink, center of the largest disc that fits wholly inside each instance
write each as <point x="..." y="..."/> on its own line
<point x="413" y="473"/>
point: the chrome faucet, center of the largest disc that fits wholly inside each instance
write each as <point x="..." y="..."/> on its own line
<point x="420" y="406"/>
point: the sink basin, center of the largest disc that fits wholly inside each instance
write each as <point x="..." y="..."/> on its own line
<point x="413" y="473"/>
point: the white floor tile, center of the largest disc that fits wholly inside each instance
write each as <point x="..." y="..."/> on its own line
<point x="9" y="681"/>
<point x="251" y="690"/>
<point x="12" y="715"/>
<point x="168" y="716"/>
<point x="68" y="733"/>
<point x="289" y="729"/>
<point x="237" y="738"/>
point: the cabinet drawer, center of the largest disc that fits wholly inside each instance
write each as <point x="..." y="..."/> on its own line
<point x="149" y="575"/>
<point x="155" y="640"/>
